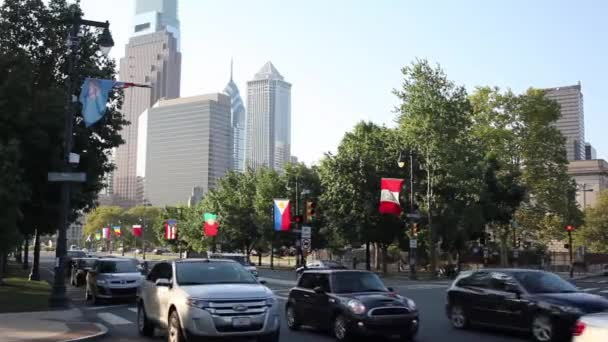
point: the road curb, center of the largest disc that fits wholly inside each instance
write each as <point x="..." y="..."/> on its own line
<point x="103" y="330"/>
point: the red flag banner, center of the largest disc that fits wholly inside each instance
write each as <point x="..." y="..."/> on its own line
<point x="389" y="196"/>
<point x="210" y="225"/>
<point x="137" y="231"/>
<point x="171" y="230"/>
<point x="106" y="233"/>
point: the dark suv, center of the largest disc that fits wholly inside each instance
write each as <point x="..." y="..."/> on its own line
<point x="350" y="304"/>
<point x="528" y="300"/>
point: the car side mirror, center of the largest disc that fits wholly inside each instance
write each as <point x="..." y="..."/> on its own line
<point x="162" y="282"/>
<point x="318" y="290"/>
<point x="263" y="282"/>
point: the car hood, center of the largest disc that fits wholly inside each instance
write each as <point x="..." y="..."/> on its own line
<point x="120" y="276"/>
<point x="375" y="299"/>
<point x="587" y="302"/>
<point x="228" y="291"/>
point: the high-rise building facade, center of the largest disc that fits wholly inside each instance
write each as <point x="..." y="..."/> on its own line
<point x="590" y="152"/>
<point x="268" y="119"/>
<point x="152" y="57"/>
<point x="183" y="144"/>
<point x="572" y="121"/>
<point x="238" y="118"/>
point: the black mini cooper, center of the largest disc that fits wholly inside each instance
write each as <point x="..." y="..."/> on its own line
<point x="350" y="304"/>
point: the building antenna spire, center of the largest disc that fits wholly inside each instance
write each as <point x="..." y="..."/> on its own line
<point x="231" y="68"/>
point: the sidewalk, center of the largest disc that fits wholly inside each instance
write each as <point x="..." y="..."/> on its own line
<point x="49" y="326"/>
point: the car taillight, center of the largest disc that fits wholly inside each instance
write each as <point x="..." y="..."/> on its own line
<point x="579" y="328"/>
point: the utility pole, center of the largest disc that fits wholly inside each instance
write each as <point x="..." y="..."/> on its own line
<point x="58" y="298"/>
<point x="569" y="229"/>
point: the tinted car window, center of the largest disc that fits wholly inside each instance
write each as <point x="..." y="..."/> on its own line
<point x="197" y="273"/>
<point x="77" y="254"/>
<point x="333" y="264"/>
<point x="477" y="279"/>
<point x="351" y="282"/>
<point x="153" y="275"/>
<point x="543" y="282"/>
<point x="86" y="263"/>
<point x="500" y="281"/>
<point x="307" y="281"/>
<point x="322" y="280"/>
<point x="117" y="267"/>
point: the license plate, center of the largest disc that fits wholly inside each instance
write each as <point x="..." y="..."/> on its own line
<point x="241" y="322"/>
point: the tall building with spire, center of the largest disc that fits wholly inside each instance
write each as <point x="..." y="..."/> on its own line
<point x="268" y="119"/>
<point x="238" y="121"/>
<point x="152" y="57"/>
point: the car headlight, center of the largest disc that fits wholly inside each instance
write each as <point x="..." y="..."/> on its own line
<point x="356" y="306"/>
<point x="100" y="282"/>
<point x="200" y="304"/>
<point x="271" y="301"/>
<point x="570" y="309"/>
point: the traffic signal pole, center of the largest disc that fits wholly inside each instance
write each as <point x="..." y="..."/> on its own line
<point x="570" y="251"/>
<point x="413" y="229"/>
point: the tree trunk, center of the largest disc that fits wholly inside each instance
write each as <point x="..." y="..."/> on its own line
<point x="18" y="254"/>
<point x="35" y="274"/>
<point x="26" y="252"/>
<point x="384" y="259"/>
<point x="259" y="257"/>
<point x="376" y="257"/>
<point x="2" y="269"/>
<point x="504" y="257"/>
<point x="368" y="265"/>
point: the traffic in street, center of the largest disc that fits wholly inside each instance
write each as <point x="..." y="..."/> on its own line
<point x="121" y="317"/>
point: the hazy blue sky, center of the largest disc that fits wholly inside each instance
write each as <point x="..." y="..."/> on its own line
<point x="343" y="57"/>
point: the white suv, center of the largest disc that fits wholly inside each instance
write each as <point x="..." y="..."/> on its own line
<point x="206" y="298"/>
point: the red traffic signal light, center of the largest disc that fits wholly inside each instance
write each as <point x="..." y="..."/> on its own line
<point x="297" y="219"/>
<point x="569" y="228"/>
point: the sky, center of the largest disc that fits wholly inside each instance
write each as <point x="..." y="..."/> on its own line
<point x="343" y="57"/>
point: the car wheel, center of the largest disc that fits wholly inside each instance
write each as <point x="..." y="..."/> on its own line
<point x="274" y="337"/>
<point x="144" y="326"/>
<point x="542" y="328"/>
<point x="340" y="329"/>
<point x="292" y="320"/>
<point x="175" y="329"/>
<point x="458" y="317"/>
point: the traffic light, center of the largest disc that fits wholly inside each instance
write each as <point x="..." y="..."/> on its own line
<point x="569" y="228"/>
<point x="311" y="210"/>
<point x="297" y="219"/>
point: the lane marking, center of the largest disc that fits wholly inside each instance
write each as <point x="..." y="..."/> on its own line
<point x="133" y="310"/>
<point x="95" y="308"/>
<point x="604" y="291"/>
<point x="113" y="319"/>
<point x="591" y="289"/>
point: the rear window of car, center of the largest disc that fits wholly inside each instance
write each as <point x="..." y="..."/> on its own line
<point x="117" y="267"/>
<point x="77" y="254"/>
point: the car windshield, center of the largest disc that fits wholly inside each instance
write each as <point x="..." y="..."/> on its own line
<point x="351" y="282"/>
<point x="77" y="254"/>
<point x="543" y="282"/>
<point x="86" y="262"/>
<point x="204" y="273"/>
<point x="117" y="267"/>
<point x="241" y="259"/>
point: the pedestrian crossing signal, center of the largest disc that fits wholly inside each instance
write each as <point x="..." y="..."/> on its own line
<point x="311" y="211"/>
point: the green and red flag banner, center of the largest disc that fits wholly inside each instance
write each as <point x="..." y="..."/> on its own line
<point x="137" y="231"/>
<point x="117" y="231"/>
<point x="210" y="225"/>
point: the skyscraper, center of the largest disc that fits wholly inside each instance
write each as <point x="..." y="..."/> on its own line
<point x="184" y="144"/>
<point x="268" y="119"/>
<point x="152" y="57"/>
<point x="238" y="119"/>
<point x="572" y="121"/>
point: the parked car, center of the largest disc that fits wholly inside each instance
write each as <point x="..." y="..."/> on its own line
<point x="240" y="258"/>
<point x="527" y="300"/>
<point x="207" y="298"/>
<point x="591" y="328"/>
<point x="322" y="265"/>
<point x="113" y="278"/>
<point x="79" y="269"/>
<point x="350" y="304"/>
<point x="70" y="255"/>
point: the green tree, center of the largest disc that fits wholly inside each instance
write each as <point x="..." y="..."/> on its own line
<point x="269" y="185"/>
<point x="350" y="182"/>
<point x="435" y="120"/>
<point x="144" y="216"/>
<point x="594" y="233"/>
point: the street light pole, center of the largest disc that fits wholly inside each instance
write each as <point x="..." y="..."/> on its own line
<point x="58" y="298"/>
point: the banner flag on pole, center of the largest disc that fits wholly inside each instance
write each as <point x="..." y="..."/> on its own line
<point x="117" y="231"/>
<point x="94" y="97"/>
<point x="89" y="238"/>
<point x="97" y="236"/>
<point x="282" y="215"/>
<point x="210" y="225"/>
<point x="389" y="196"/>
<point x="106" y="233"/>
<point x="137" y="231"/>
<point x="171" y="230"/>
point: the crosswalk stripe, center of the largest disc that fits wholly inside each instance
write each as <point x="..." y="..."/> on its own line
<point x="603" y="282"/>
<point x="133" y="310"/>
<point x="591" y="289"/>
<point x="113" y="319"/>
<point x="604" y="291"/>
<point x="95" y="308"/>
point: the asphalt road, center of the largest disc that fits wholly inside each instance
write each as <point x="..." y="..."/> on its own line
<point x="120" y="318"/>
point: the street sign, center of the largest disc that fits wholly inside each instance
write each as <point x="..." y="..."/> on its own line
<point x="413" y="243"/>
<point x="306" y="244"/>
<point x="78" y="177"/>
<point x="306" y="232"/>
